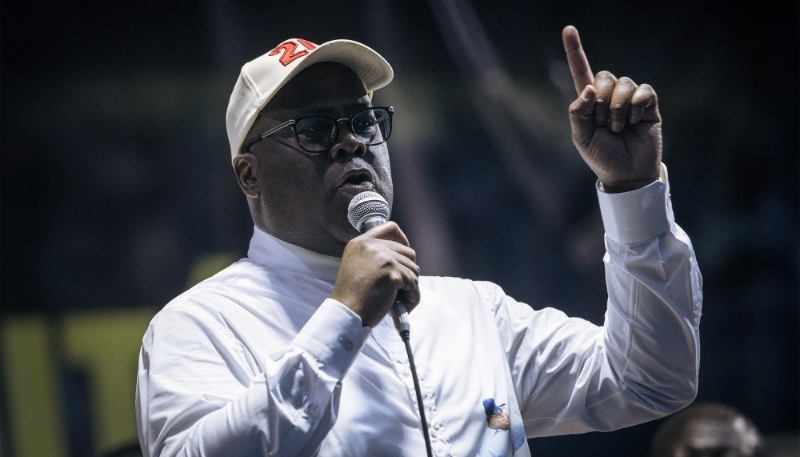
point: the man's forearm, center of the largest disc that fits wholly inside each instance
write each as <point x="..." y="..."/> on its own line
<point x="196" y="397"/>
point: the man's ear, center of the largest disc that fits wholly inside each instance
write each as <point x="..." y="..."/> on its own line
<point x="245" y="166"/>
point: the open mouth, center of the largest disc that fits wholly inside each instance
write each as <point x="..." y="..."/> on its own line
<point x="357" y="181"/>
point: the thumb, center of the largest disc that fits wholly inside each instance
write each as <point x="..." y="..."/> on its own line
<point x="581" y="116"/>
<point x="410" y="295"/>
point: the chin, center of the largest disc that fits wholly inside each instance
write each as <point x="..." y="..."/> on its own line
<point x="344" y="232"/>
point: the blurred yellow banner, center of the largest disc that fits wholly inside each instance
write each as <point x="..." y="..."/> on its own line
<point x="104" y="345"/>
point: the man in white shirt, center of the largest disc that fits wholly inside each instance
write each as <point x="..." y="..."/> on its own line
<point x="291" y="351"/>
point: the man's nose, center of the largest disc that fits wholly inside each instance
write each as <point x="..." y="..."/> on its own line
<point x="347" y="144"/>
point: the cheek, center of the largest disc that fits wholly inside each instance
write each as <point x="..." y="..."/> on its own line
<point x="288" y="182"/>
<point x="383" y="170"/>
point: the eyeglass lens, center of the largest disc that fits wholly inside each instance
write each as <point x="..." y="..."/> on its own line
<point x="319" y="133"/>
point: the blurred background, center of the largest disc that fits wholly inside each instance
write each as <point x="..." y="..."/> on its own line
<point x="118" y="194"/>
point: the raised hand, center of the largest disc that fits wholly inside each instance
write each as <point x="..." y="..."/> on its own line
<point x="616" y="125"/>
<point x="376" y="266"/>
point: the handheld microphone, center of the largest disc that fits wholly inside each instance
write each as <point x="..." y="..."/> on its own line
<point x="368" y="210"/>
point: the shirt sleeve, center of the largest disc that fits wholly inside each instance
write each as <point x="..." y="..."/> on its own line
<point x="195" y="395"/>
<point x="572" y="376"/>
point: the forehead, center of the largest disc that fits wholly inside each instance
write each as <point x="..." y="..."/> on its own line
<point x="320" y="86"/>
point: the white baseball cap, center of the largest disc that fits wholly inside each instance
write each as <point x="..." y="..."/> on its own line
<point x="263" y="77"/>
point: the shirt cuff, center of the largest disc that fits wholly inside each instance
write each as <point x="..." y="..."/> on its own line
<point x="638" y="215"/>
<point x="334" y="336"/>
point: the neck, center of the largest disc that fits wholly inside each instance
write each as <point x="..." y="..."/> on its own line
<point x="321" y="243"/>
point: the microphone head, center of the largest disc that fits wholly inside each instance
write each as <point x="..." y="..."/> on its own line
<point x="365" y="206"/>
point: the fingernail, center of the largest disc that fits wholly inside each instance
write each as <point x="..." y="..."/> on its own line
<point x="616" y="126"/>
<point x="634" y="119"/>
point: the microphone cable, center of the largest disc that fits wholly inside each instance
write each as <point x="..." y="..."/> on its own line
<point x="404" y="329"/>
<point x="367" y="210"/>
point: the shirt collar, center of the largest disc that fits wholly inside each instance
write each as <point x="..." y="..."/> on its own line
<point x="267" y="250"/>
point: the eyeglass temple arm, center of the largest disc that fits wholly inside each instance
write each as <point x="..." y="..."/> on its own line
<point x="269" y="132"/>
<point x="276" y="128"/>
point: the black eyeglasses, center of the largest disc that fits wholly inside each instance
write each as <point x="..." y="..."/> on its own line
<point x="319" y="133"/>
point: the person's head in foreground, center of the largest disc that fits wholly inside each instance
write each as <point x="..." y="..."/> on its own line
<point x="305" y="139"/>
<point x="707" y="430"/>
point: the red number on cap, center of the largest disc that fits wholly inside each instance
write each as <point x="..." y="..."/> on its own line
<point x="307" y="44"/>
<point x="289" y="52"/>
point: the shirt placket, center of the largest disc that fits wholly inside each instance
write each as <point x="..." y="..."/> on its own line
<point x="387" y="338"/>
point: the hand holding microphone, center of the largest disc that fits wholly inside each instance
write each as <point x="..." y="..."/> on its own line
<point x="378" y="264"/>
<point x="382" y="269"/>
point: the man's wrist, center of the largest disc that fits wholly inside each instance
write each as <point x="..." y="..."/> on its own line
<point x="627" y="186"/>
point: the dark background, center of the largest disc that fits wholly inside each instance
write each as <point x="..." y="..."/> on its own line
<point x="116" y="174"/>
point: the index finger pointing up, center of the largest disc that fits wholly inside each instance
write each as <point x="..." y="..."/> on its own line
<point x="578" y="64"/>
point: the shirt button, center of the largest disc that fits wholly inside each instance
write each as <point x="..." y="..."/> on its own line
<point x="345" y="343"/>
<point x="434" y="433"/>
<point x="313" y="410"/>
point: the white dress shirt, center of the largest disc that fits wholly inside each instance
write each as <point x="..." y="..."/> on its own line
<point x="258" y="360"/>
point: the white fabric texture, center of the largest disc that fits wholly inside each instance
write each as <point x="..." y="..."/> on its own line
<point x="258" y="360"/>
